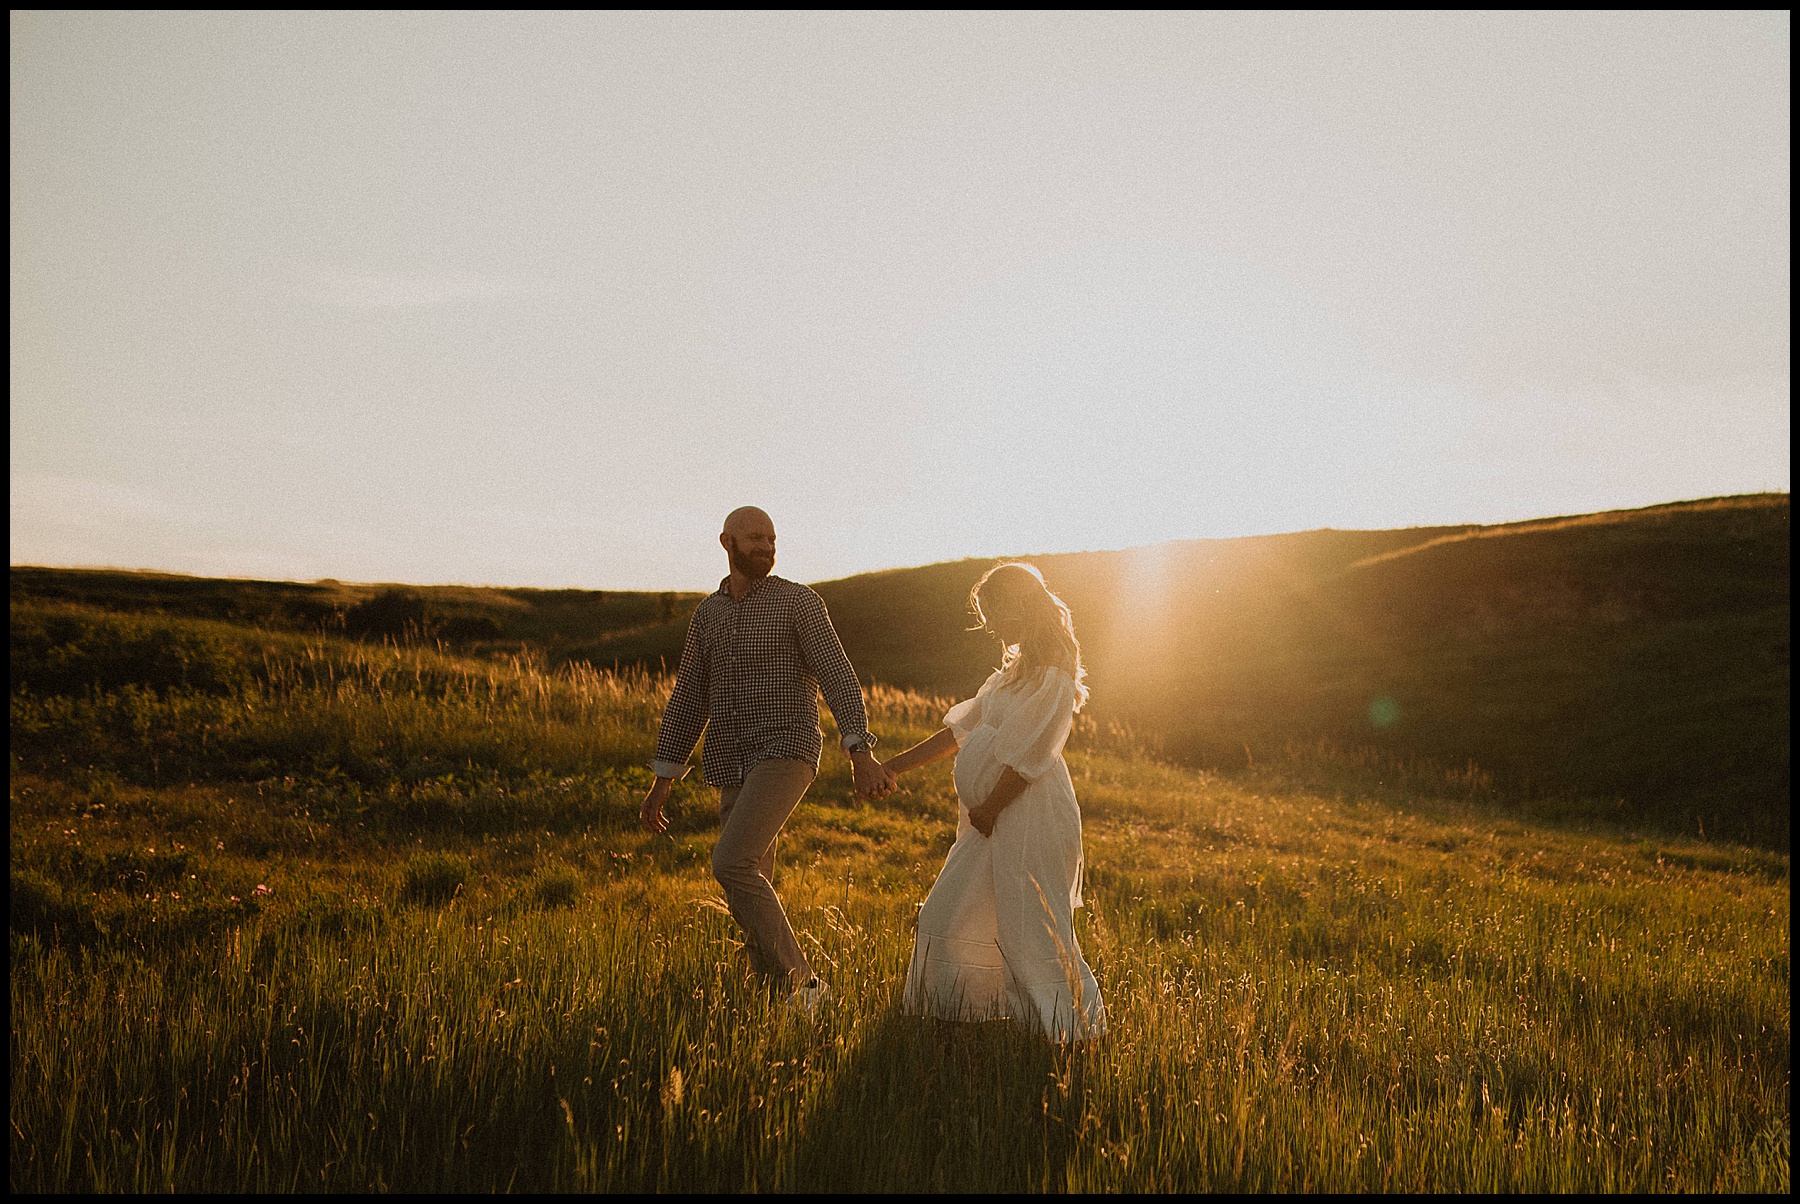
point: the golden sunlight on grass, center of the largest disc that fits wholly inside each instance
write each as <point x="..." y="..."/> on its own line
<point x="362" y="918"/>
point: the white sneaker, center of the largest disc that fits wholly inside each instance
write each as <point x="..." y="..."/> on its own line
<point x="807" y="997"/>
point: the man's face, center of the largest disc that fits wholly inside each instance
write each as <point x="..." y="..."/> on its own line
<point x="751" y="546"/>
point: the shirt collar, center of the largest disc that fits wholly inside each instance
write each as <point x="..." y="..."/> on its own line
<point x="755" y="587"/>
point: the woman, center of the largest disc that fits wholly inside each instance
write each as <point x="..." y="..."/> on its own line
<point x="997" y="933"/>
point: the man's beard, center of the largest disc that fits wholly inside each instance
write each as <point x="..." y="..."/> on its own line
<point x="750" y="565"/>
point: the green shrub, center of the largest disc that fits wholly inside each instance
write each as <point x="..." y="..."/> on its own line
<point x="435" y="877"/>
<point x="127" y="869"/>
<point x="554" y="886"/>
<point x="396" y="613"/>
<point x="469" y="629"/>
<point x="72" y="650"/>
<point x="336" y="913"/>
<point x="39" y="906"/>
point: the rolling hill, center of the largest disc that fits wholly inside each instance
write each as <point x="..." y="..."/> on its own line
<point x="1637" y="660"/>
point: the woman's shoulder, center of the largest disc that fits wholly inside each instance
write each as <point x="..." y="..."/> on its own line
<point x="994" y="681"/>
<point x="1027" y="682"/>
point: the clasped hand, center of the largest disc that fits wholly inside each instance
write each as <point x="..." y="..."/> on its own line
<point x="873" y="779"/>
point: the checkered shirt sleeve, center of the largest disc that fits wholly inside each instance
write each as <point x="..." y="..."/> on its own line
<point x="686" y="713"/>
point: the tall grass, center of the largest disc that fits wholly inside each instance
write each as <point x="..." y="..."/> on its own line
<point x="381" y="919"/>
<point x="371" y="712"/>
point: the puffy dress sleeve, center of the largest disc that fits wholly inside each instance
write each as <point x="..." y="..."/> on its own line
<point x="965" y="716"/>
<point x="1032" y="737"/>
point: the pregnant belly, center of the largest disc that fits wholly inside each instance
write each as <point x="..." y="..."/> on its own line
<point x="977" y="769"/>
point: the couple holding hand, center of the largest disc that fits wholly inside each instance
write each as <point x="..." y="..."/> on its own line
<point x="996" y="935"/>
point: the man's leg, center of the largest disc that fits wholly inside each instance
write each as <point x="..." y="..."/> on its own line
<point x="727" y="800"/>
<point x="744" y="860"/>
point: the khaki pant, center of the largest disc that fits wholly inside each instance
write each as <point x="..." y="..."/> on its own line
<point x="750" y="819"/>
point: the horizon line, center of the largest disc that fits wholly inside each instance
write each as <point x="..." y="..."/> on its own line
<point x="1548" y="518"/>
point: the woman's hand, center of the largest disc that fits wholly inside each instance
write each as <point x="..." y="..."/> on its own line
<point x="1010" y="786"/>
<point x="873" y="779"/>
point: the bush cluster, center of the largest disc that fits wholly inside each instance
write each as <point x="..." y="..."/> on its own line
<point x="404" y="615"/>
<point x="435" y="877"/>
<point x="74" y="650"/>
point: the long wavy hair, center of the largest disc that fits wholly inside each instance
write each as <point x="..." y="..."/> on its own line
<point x="1048" y="638"/>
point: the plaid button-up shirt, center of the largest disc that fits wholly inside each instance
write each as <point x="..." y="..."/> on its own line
<point x="750" y="676"/>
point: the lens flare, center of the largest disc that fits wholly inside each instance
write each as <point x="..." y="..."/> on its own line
<point x="1384" y="712"/>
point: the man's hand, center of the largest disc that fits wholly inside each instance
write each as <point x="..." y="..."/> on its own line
<point x="652" y="811"/>
<point x="983" y="818"/>
<point x="873" y="779"/>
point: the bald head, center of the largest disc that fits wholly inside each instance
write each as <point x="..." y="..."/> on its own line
<point x="746" y="518"/>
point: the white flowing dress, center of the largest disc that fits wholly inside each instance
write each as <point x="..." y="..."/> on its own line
<point x="997" y="933"/>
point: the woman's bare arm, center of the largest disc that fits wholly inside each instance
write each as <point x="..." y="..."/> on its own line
<point x="942" y="744"/>
<point x="1010" y="786"/>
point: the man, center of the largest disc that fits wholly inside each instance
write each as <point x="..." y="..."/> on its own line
<point x="757" y="654"/>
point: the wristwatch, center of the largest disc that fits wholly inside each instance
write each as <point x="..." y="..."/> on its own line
<point x="864" y="745"/>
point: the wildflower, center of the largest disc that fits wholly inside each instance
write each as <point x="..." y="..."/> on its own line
<point x="234" y="898"/>
<point x="174" y="894"/>
<point x="263" y="890"/>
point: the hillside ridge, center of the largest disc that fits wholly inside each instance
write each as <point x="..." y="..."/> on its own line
<point x="1635" y="657"/>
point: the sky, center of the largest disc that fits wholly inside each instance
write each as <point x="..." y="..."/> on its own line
<point x="536" y="298"/>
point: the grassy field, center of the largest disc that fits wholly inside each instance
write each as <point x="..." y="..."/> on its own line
<point x="1630" y="663"/>
<point x="295" y="913"/>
